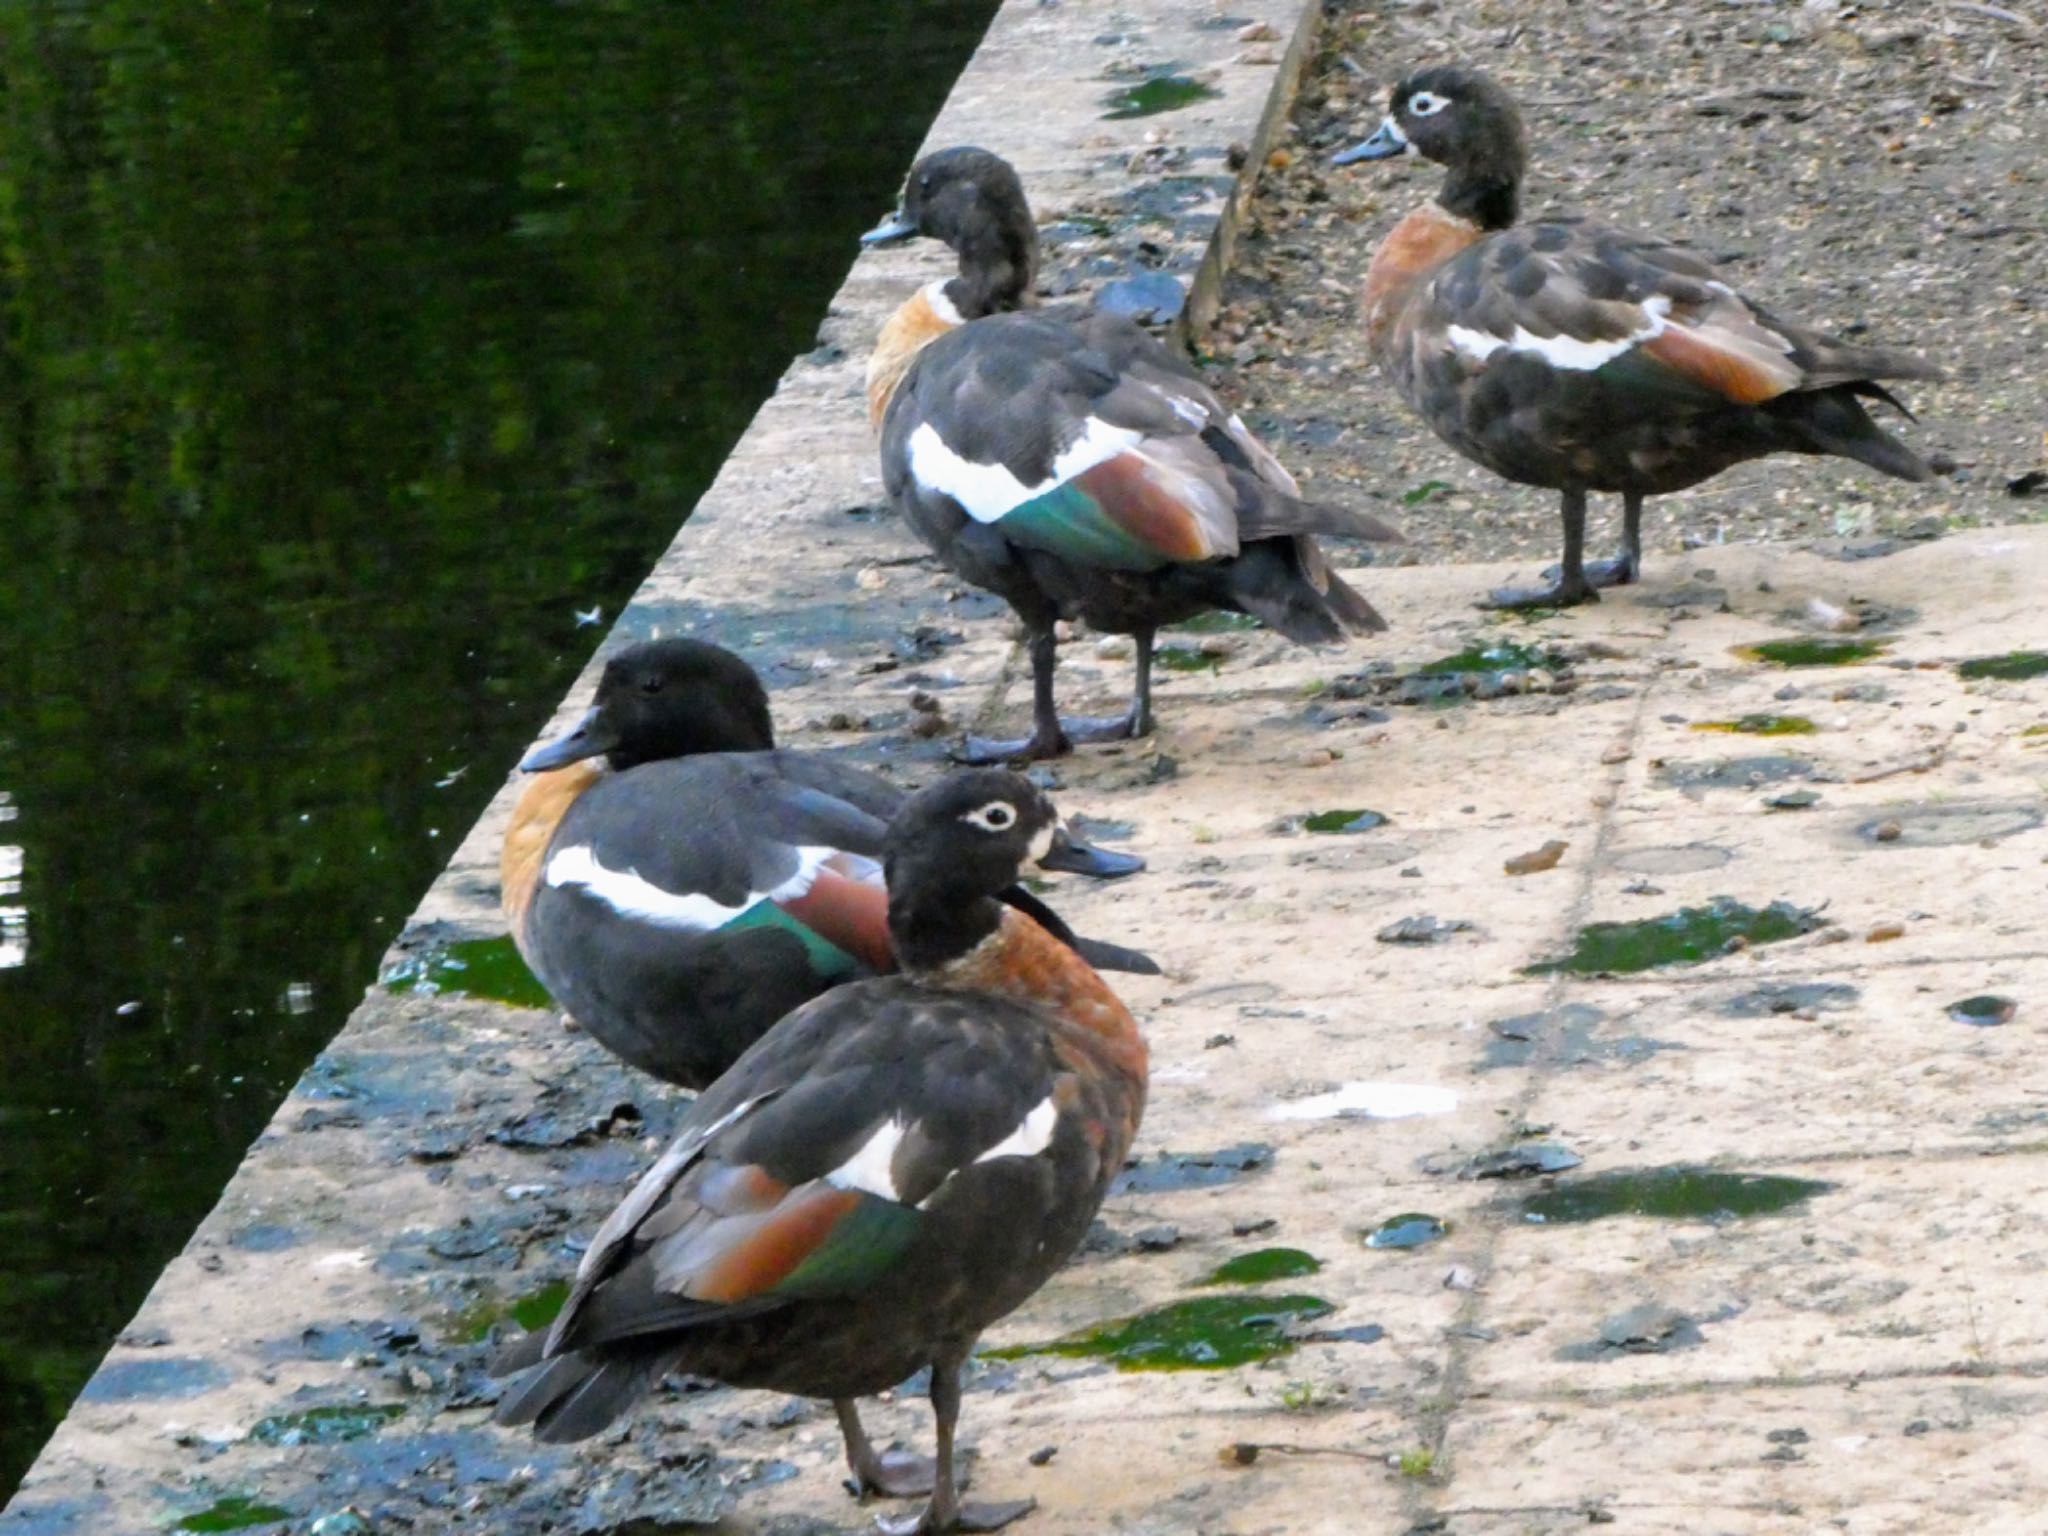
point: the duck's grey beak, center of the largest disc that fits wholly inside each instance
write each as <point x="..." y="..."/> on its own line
<point x="588" y="737"/>
<point x="892" y="229"/>
<point x="1384" y="145"/>
<point x="1069" y="855"/>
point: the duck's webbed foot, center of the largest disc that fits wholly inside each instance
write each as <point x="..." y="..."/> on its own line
<point x="1559" y="594"/>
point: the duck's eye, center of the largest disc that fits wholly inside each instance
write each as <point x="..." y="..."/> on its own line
<point x="996" y="816"/>
<point x="1427" y="104"/>
<point x="924" y="183"/>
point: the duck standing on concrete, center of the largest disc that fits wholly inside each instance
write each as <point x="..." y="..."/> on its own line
<point x="885" y="1173"/>
<point x="1582" y="357"/>
<point x="1071" y="464"/>
<point x="682" y="902"/>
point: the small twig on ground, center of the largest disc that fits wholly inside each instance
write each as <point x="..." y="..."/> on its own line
<point x="1931" y="758"/>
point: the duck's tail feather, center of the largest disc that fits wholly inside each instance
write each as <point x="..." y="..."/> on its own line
<point x="1834" y="421"/>
<point x="573" y="1396"/>
<point x="1264" y="513"/>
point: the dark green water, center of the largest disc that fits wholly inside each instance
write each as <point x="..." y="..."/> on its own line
<point x="346" y="352"/>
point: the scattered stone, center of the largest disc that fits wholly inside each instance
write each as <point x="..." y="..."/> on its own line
<point x="1258" y="32"/>
<point x="1537" y="860"/>
<point x="1161" y="1238"/>
<point x="1422" y="929"/>
<point x="1459" y="1278"/>
<point x="1620" y="752"/>
<point x="1792" y="800"/>
<point x="1043" y="1455"/>
<point x="1887" y="832"/>
<point x="1521" y="1161"/>
<point x="1649" y="1329"/>
<point x="1251" y="1226"/>
<point x="1884" y="933"/>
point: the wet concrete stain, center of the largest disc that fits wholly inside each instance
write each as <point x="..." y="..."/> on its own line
<point x="1760" y="725"/>
<point x="1791" y="997"/>
<point x="1410" y="1229"/>
<point x="156" y="1379"/>
<point x="1171" y="1171"/>
<point x="1566" y="1035"/>
<point x="1986" y="1010"/>
<point x="1677" y="859"/>
<point x="1950" y="824"/>
<point x="1671" y="1194"/>
<point x="1649" y="1329"/>
<point x="1738" y="773"/>
<point x="329" y="1425"/>
<point x="1524" y="1160"/>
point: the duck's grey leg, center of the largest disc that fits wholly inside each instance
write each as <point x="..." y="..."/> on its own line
<point x="1053" y="734"/>
<point x="1570" y="585"/>
<point x="896" y="1474"/>
<point x="1627" y="568"/>
<point x="946" y="1512"/>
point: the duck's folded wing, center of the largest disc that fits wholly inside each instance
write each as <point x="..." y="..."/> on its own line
<point x="1586" y="299"/>
<point x="755" y="839"/>
<point x="1033" y="431"/>
<point x="812" y="1188"/>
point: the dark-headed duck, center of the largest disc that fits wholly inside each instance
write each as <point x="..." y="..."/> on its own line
<point x="679" y="884"/>
<point x="1070" y="463"/>
<point x="883" y="1175"/>
<point x="1581" y="357"/>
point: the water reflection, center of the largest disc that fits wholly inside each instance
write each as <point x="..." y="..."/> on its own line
<point x="348" y="354"/>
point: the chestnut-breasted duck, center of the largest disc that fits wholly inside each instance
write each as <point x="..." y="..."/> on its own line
<point x="679" y="884"/>
<point x="1073" y="465"/>
<point x="1582" y="357"/>
<point x="885" y="1173"/>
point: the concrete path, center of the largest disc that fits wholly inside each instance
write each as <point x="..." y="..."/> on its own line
<point x="1865" y="1359"/>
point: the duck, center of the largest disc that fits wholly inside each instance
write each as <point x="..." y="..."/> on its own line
<point x="678" y="883"/>
<point x="879" y="1178"/>
<point x="1072" y="464"/>
<point x="1581" y="357"/>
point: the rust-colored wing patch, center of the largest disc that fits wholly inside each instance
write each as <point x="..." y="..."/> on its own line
<point x="765" y="1250"/>
<point x="1744" y="379"/>
<point x="849" y="913"/>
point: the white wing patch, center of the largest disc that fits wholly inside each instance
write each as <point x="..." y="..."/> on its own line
<point x="989" y="491"/>
<point x="869" y="1168"/>
<point x="1032" y="1136"/>
<point x="629" y="895"/>
<point x="1567" y="352"/>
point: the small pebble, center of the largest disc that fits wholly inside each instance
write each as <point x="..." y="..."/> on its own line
<point x="1536" y="860"/>
<point x="1042" y="1455"/>
<point x="1887" y="833"/>
<point x="1885" y="931"/>
<point x="1620" y="752"/>
<point x="1115" y="648"/>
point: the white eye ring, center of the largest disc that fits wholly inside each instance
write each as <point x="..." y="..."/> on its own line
<point x="1427" y="104"/>
<point x="996" y="816"/>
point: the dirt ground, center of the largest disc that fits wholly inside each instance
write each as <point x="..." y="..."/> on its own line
<point x="1871" y="169"/>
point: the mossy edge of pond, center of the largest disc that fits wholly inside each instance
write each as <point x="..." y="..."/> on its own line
<point x="1203" y="1333"/>
<point x="1689" y="936"/>
<point x="1262" y="1265"/>
<point x="490" y="969"/>
<point x="1488" y="656"/>
<point x="1678" y="1193"/>
<point x="1341" y="821"/>
<point x="1159" y="92"/>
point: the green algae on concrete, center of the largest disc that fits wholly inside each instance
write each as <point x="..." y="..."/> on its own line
<point x="2012" y="667"/>
<point x="1811" y="652"/>
<point x="487" y="968"/>
<point x="1263" y="1265"/>
<point x="1160" y="91"/>
<point x="1410" y="1229"/>
<point x="1761" y="725"/>
<point x="1685" y="937"/>
<point x="1499" y="656"/>
<point x="1342" y="821"/>
<point x="326" y="1426"/>
<point x="1207" y="1333"/>
<point x="1671" y="1194"/>
<point x="1217" y="621"/>
<point x="533" y="1310"/>
<point x="234" y="1513"/>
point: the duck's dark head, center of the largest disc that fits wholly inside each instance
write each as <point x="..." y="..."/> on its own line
<point x="666" y="698"/>
<point x="1466" y="122"/>
<point x="973" y="201"/>
<point x="955" y="847"/>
